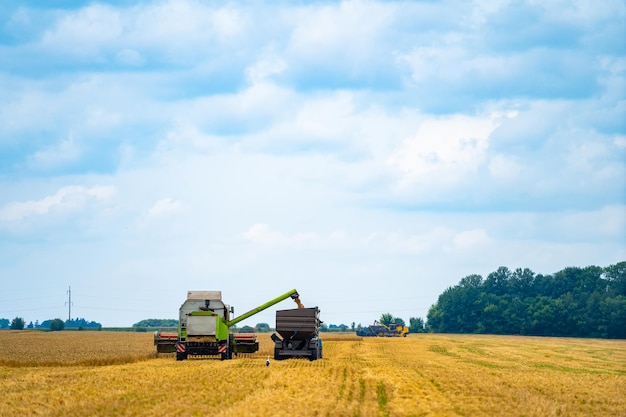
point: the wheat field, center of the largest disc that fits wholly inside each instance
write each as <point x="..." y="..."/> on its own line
<point x="118" y="374"/>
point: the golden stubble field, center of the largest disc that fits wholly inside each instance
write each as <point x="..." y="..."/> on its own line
<point x="118" y="374"/>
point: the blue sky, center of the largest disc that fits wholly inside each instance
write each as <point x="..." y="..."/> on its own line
<point x="369" y="154"/>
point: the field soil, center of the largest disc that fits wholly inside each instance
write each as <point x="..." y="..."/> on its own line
<point x="119" y="374"/>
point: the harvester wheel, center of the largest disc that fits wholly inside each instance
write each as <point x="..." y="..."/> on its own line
<point x="229" y="352"/>
<point x="181" y="356"/>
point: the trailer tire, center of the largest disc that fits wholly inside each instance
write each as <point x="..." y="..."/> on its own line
<point x="313" y="355"/>
<point x="277" y="356"/>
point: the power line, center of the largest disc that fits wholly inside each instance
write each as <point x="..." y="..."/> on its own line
<point x="69" y="305"/>
<point x="28" y="309"/>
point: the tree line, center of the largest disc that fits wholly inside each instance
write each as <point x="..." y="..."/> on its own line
<point x="574" y="302"/>
<point x="18" y="323"/>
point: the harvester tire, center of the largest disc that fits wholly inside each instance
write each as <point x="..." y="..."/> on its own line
<point x="181" y="356"/>
<point x="229" y="352"/>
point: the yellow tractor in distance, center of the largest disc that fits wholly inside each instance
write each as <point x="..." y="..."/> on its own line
<point x="378" y="329"/>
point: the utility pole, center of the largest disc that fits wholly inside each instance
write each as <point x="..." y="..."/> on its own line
<point x="69" y="306"/>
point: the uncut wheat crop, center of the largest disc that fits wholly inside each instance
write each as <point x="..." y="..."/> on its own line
<point x="36" y="348"/>
<point x="421" y="375"/>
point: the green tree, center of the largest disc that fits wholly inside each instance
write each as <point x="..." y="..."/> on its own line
<point x="155" y="323"/>
<point x="57" y="325"/>
<point x="18" y="324"/>
<point x="398" y="321"/>
<point x="262" y="327"/>
<point x="616" y="278"/>
<point x="4" y="323"/>
<point x="416" y="325"/>
<point x="386" y="319"/>
<point x="574" y="302"/>
<point x="246" y="329"/>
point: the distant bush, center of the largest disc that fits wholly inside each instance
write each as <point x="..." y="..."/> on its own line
<point x="57" y="325"/>
<point x="17" y="324"/>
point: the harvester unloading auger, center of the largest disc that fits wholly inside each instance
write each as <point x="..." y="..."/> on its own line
<point x="204" y="327"/>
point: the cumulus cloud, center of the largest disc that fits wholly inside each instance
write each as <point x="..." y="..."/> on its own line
<point x="505" y="168"/>
<point x="264" y="69"/>
<point x="66" y="200"/>
<point x="66" y="151"/>
<point x="86" y="30"/>
<point x="444" y="150"/>
<point x="165" y="207"/>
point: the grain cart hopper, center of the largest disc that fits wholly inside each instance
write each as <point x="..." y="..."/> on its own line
<point x="204" y="327"/>
<point x="299" y="329"/>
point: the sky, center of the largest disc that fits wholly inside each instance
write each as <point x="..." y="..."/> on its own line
<point x="369" y="154"/>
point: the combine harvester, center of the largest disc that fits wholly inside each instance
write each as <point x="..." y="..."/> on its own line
<point x="204" y="327"/>
<point x="380" y="330"/>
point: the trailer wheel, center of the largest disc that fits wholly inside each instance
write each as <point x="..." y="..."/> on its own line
<point x="313" y="355"/>
<point x="277" y="356"/>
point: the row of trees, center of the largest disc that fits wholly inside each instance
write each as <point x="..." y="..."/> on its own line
<point x="575" y="302"/>
<point x="157" y="323"/>
<point x="18" y="323"/>
<point x="15" y="324"/>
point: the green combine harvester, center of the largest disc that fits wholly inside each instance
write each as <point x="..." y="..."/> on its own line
<point x="204" y="327"/>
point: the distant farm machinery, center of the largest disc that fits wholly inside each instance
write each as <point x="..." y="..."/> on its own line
<point x="379" y="329"/>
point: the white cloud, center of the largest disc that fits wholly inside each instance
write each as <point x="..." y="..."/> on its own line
<point x="344" y="31"/>
<point x="470" y="239"/>
<point x="66" y="151"/>
<point x="264" y="69"/>
<point x="401" y="243"/>
<point x="68" y="199"/>
<point x="444" y="150"/>
<point x="86" y="30"/>
<point x="505" y="168"/>
<point x="165" y="207"/>
<point x="261" y="233"/>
